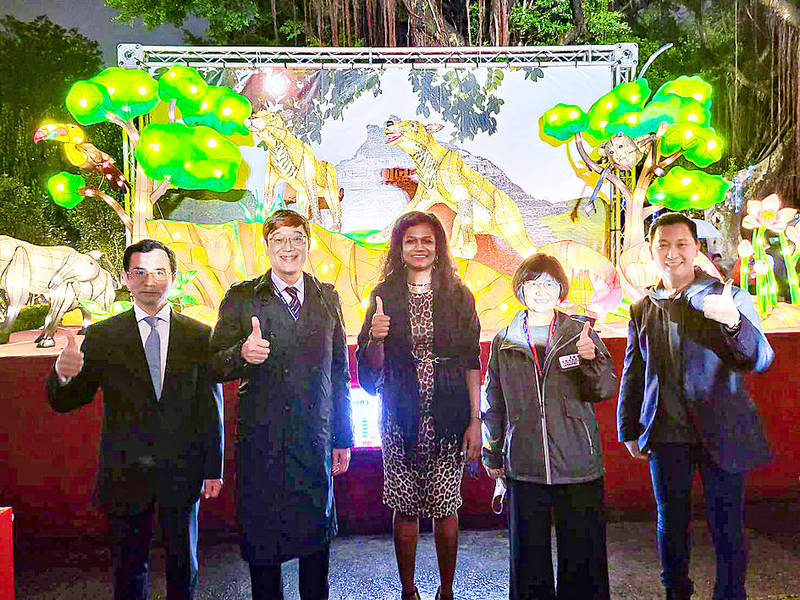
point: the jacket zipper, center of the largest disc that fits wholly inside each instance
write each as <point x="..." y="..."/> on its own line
<point x="588" y="437"/>
<point x="545" y="446"/>
<point x="548" y="474"/>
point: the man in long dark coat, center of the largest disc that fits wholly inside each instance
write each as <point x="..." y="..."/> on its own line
<point x="282" y="336"/>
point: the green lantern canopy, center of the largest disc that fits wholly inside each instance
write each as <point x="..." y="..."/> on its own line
<point x="221" y="108"/>
<point x="189" y="157"/>
<point x="182" y="82"/>
<point x="132" y="92"/>
<point x="88" y="102"/>
<point x="161" y="146"/>
<point x="694" y="88"/>
<point x="628" y="97"/>
<point x="563" y="121"/>
<point x="701" y="145"/>
<point x="682" y="189"/>
<point x="63" y="189"/>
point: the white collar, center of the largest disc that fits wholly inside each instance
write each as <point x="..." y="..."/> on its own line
<point x="281" y="285"/>
<point x="163" y="314"/>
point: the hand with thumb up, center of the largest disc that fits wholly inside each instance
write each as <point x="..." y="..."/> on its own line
<point x="70" y="362"/>
<point x="255" y="349"/>
<point x="586" y="348"/>
<point x="380" y="322"/>
<point x="722" y="307"/>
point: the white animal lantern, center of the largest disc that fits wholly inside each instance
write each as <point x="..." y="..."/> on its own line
<point x="60" y="275"/>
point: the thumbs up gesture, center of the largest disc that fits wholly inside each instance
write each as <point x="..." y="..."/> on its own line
<point x="255" y="349"/>
<point x="70" y="362"/>
<point x="380" y="322"/>
<point x="586" y="348"/>
<point x="722" y="307"/>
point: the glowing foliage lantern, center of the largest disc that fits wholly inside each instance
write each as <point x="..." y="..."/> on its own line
<point x="609" y="110"/>
<point x="121" y="93"/>
<point x="132" y="91"/>
<point x="181" y="82"/>
<point x="88" y="102"/>
<point x="674" y="123"/>
<point x="221" y="108"/>
<point x="701" y="145"/>
<point x="681" y="189"/>
<point x="65" y="188"/>
<point x="563" y="121"/>
<point x="189" y="157"/>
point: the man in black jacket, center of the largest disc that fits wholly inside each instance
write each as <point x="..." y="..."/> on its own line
<point x="162" y="422"/>
<point x="282" y="336"/>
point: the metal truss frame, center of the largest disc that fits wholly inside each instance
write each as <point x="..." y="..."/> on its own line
<point x="621" y="58"/>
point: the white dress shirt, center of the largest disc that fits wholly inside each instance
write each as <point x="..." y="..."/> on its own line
<point x="162" y="326"/>
<point x="281" y="285"/>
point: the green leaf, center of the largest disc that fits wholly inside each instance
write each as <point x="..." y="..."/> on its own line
<point x="683" y="189"/>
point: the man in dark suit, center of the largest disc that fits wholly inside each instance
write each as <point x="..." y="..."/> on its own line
<point x="162" y="422"/>
<point x="282" y="336"/>
<point x="683" y="404"/>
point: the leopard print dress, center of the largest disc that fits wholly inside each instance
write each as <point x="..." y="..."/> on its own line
<point x="430" y="485"/>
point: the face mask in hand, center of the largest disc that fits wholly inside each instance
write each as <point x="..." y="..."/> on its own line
<point x="499" y="495"/>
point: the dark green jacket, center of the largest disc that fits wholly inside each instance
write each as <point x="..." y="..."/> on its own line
<point x="544" y="431"/>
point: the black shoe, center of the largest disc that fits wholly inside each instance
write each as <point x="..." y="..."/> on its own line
<point x="439" y="594"/>
<point x="411" y="595"/>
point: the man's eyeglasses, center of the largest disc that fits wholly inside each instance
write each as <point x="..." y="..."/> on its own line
<point x="295" y="241"/>
<point x="158" y="274"/>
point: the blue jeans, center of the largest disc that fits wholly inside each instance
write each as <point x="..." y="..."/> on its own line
<point x="672" y="469"/>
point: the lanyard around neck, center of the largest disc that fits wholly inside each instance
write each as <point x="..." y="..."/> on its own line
<point x="532" y="346"/>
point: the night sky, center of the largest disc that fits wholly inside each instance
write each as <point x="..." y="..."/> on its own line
<point x="95" y="20"/>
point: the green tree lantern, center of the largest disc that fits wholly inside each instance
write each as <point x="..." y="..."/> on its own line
<point x="189" y="152"/>
<point x="674" y="123"/>
<point x="64" y="188"/>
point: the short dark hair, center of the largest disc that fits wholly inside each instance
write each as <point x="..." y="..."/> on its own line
<point x="285" y="218"/>
<point x="534" y="267"/>
<point x="672" y="218"/>
<point x="147" y="245"/>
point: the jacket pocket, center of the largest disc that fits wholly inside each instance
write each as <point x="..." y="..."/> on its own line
<point x="575" y="415"/>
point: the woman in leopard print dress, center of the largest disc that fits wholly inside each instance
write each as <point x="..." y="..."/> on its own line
<point x="419" y="348"/>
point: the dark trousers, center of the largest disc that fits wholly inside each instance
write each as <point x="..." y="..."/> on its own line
<point x="267" y="583"/>
<point x="579" y="515"/>
<point x="672" y="468"/>
<point x="131" y="536"/>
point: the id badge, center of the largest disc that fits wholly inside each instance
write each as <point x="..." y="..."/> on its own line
<point x="570" y="361"/>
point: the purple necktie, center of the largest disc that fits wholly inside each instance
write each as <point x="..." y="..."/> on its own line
<point x="294" y="303"/>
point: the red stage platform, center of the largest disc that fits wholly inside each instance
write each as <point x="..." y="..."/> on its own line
<point x="48" y="461"/>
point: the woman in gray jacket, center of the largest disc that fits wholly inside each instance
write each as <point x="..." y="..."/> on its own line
<point x="546" y="370"/>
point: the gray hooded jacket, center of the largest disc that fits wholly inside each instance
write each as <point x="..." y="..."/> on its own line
<point x="544" y="430"/>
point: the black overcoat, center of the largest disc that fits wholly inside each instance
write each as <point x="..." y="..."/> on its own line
<point x="293" y="410"/>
